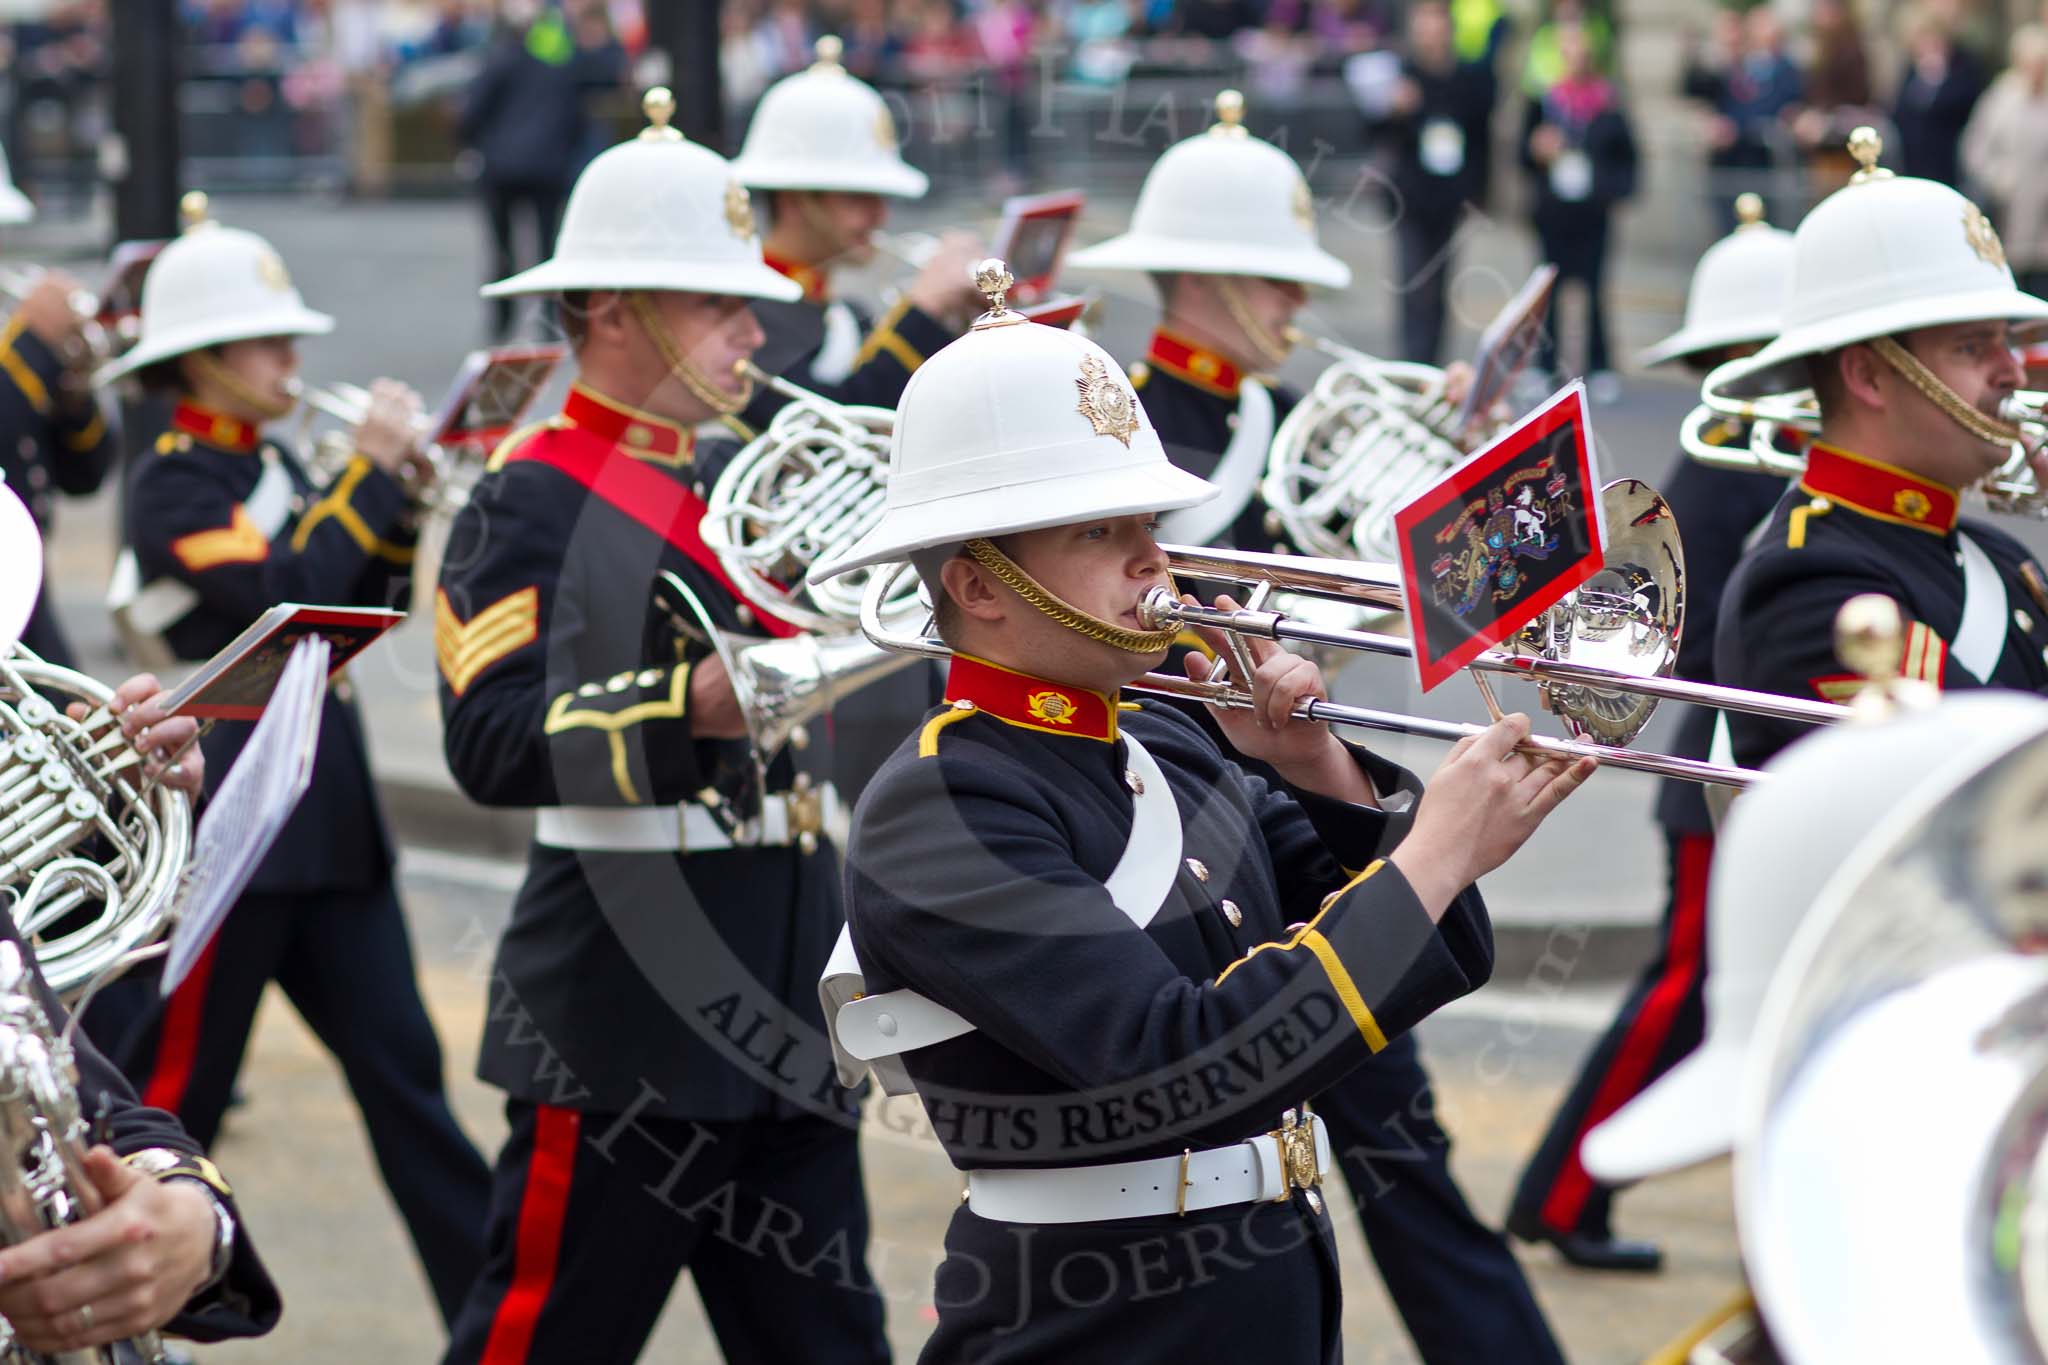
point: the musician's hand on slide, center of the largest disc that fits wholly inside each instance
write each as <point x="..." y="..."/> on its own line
<point x="127" y="1269"/>
<point x="1304" y="751"/>
<point x="161" y="740"/>
<point x="714" y="709"/>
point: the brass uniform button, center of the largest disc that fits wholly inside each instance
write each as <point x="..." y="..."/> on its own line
<point x="2022" y="620"/>
<point x="1232" y="913"/>
<point x="1199" y="868"/>
<point x="1134" y="782"/>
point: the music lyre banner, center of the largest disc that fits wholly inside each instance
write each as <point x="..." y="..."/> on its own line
<point x="1502" y="537"/>
<point x="236" y="683"/>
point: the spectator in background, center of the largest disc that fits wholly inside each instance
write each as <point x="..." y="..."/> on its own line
<point x="1581" y="157"/>
<point x="1938" y="89"/>
<point x="1006" y="31"/>
<point x="1442" y="108"/>
<point x="872" y="43"/>
<point x="525" y="118"/>
<point x="1838" y="96"/>
<point x="2004" y="149"/>
<point x="1756" y="91"/>
<point x="1544" y="65"/>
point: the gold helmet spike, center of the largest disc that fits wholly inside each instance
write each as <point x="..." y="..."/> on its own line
<point x="829" y="50"/>
<point x="1229" y="115"/>
<point x="1866" y="146"/>
<point x="1749" y="209"/>
<point x="992" y="278"/>
<point x="659" y="104"/>
<point x="193" y="208"/>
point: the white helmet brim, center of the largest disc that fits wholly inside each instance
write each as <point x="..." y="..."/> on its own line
<point x="780" y="173"/>
<point x="1159" y="254"/>
<point x="744" y="279"/>
<point x="170" y="344"/>
<point x="1780" y="367"/>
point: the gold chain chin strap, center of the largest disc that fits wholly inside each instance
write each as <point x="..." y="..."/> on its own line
<point x="269" y="407"/>
<point x="1013" y="577"/>
<point x="1942" y="396"/>
<point x="680" y="365"/>
<point x="1274" y="349"/>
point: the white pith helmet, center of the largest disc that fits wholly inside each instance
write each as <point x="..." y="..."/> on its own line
<point x="1222" y="203"/>
<point x="656" y="213"/>
<point x="212" y="285"/>
<point x="1738" y="289"/>
<point x="1015" y="427"/>
<point x="15" y="207"/>
<point x="825" y="129"/>
<point x="21" y="566"/>
<point x="1782" y="843"/>
<point x="1882" y="255"/>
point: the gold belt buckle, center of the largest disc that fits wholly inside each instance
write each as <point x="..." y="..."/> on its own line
<point x="1298" y="1167"/>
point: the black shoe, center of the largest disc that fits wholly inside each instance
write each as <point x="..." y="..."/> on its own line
<point x="1591" y="1251"/>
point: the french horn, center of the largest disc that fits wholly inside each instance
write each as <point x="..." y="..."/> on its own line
<point x="1367" y="437"/>
<point x="91" y="853"/>
<point x="1775" y="422"/>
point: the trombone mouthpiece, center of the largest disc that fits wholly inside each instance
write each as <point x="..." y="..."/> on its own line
<point x="1159" y="610"/>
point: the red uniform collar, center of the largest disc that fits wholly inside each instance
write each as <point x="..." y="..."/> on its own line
<point x="638" y="433"/>
<point x="1192" y="364"/>
<point x="808" y="277"/>
<point x="216" y="428"/>
<point x="1878" y="490"/>
<point x="1033" y="703"/>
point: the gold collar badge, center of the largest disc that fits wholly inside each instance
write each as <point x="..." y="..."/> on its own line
<point x="1054" y="708"/>
<point x="1912" y="504"/>
<point x="1107" y="404"/>
<point x="739" y="210"/>
<point x="1983" y="237"/>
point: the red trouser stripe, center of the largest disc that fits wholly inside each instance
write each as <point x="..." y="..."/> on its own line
<point x="1630" y="1070"/>
<point x="177" y="1041"/>
<point x="538" y="1246"/>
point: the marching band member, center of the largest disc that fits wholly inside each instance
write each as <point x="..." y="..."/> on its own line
<point x="1900" y="320"/>
<point x="1731" y="310"/>
<point x="822" y="152"/>
<point x="81" y="1285"/>
<point x="54" y="435"/>
<point x="1140" y="955"/>
<point x="821" y="156"/>
<point x="653" y="992"/>
<point x="224" y="524"/>
<point x="1223" y="223"/>
<point x="1225" y="226"/>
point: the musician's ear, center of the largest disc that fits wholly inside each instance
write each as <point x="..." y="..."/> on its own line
<point x="973" y="593"/>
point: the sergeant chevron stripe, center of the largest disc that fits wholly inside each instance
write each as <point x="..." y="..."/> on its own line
<point x="465" y="650"/>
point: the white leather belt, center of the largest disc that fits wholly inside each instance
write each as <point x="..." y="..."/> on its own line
<point x="786" y="817"/>
<point x="1267" y="1167"/>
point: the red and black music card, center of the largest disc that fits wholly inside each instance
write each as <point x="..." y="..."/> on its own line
<point x="492" y="392"/>
<point x="1502" y="537"/>
<point x="236" y="683"/>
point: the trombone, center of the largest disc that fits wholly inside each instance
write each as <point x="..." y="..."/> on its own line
<point x="1626" y="614"/>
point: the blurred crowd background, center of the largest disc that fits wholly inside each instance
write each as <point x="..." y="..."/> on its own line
<point x="1698" y="101"/>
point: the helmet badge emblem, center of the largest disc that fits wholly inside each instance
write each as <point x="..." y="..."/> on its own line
<point x="885" y="129"/>
<point x="270" y="270"/>
<point x="1107" y="404"/>
<point x="739" y="210"/>
<point x="1983" y="237"/>
<point x="1303" y="206"/>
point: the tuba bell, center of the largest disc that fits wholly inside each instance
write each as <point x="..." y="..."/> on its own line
<point x="90" y="853"/>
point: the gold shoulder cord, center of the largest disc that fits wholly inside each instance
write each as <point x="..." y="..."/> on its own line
<point x="1013" y="577"/>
